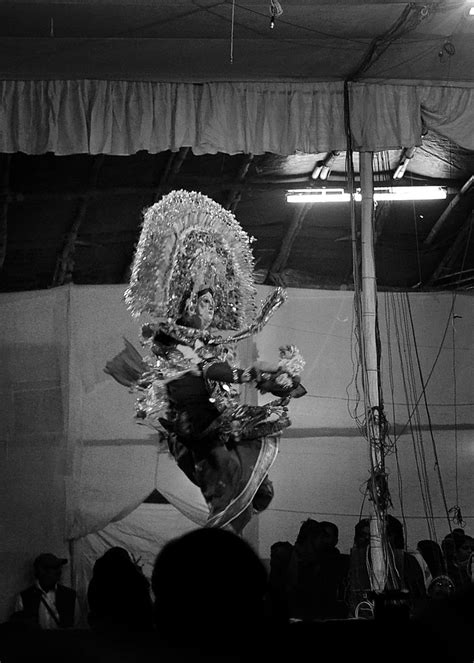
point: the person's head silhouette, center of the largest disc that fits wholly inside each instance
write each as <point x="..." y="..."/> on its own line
<point x="207" y="581"/>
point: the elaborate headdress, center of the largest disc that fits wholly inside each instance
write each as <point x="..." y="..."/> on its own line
<point x="189" y="242"/>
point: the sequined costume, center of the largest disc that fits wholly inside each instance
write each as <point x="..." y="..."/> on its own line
<point x="187" y="386"/>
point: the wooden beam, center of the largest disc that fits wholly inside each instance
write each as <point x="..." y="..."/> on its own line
<point x="444" y="216"/>
<point x="4" y="186"/>
<point x="382" y="214"/>
<point x="164" y="175"/>
<point x="294" y="227"/>
<point x="463" y="272"/>
<point x="455" y="283"/>
<point x="165" y="184"/>
<point x="453" y="251"/>
<point x="177" y="164"/>
<point x="234" y="196"/>
<point x="65" y="261"/>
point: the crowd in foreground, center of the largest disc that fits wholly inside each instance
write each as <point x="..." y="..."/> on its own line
<point x="312" y="579"/>
<point x="211" y="596"/>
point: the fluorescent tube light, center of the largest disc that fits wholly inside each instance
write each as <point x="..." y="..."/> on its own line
<point x="400" y="171"/>
<point x="409" y="193"/>
<point x="317" y="196"/>
<point x="322" y="171"/>
<point x="408" y="154"/>
<point x="380" y="193"/>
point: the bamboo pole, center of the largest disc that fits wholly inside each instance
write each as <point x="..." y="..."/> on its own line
<point x="371" y="382"/>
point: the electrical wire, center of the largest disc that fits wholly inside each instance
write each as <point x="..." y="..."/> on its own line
<point x="417" y="243"/>
<point x="303" y="27"/>
<point x="456" y="509"/>
<point x="411" y="16"/>
<point x="435" y="451"/>
<point x="232" y="33"/>
<point x="430" y="374"/>
<point x="409" y="381"/>
<point x="388" y="326"/>
<point x="410" y="60"/>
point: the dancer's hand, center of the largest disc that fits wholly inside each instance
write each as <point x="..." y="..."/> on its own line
<point x="266" y="367"/>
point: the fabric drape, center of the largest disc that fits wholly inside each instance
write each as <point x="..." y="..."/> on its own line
<point x="72" y="459"/>
<point x="124" y="117"/>
<point x="35" y="458"/>
<point x="117" y="463"/>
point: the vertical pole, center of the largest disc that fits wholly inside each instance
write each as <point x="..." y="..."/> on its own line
<point x="372" y="387"/>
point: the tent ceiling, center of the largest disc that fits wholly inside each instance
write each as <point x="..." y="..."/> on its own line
<point x="192" y="40"/>
<point x="78" y="217"/>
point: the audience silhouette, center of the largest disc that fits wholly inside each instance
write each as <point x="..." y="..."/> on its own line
<point x="433" y="556"/>
<point x="317" y="573"/>
<point x="211" y="597"/>
<point x="118" y="594"/>
<point x="280" y="558"/>
<point x="47" y="604"/>
<point x="210" y="588"/>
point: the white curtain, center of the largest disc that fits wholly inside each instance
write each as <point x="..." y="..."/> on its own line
<point x="35" y="456"/>
<point x="323" y="465"/>
<point x="123" y="117"/>
<point x="73" y="461"/>
<point x="143" y="533"/>
<point x="117" y="462"/>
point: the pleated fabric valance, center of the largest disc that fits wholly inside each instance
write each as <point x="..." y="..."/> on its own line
<point x="123" y="117"/>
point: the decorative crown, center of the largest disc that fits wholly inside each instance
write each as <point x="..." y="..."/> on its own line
<point x="188" y="242"/>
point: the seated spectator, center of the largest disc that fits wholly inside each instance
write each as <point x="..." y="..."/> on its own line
<point x="209" y="587"/>
<point x="317" y="574"/>
<point x="440" y="587"/>
<point x="428" y="578"/>
<point x="47" y="604"/>
<point x="433" y="556"/>
<point x="280" y="557"/>
<point x="407" y="574"/>
<point x="458" y="548"/>
<point x="118" y="594"/>
<point x="359" y="587"/>
<point x="403" y="570"/>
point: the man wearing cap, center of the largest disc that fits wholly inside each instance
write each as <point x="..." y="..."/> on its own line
<point x="47" y="603"/>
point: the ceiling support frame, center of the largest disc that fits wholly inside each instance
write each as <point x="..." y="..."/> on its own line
<point x="234" y="196"/>
<point x="172" y="169"/>
<point x="275" y="272"/>
<point x="4" y="189"/>
<point x="65" y="261"/>
<point x="449" y="208"/>
<point x="452" y="254"/>
<point x="165" y="184"/>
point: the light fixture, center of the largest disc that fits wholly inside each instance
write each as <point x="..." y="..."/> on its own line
<point x="408" y="153"/>
<point x="331" y="195"/>
<point x="317" y="196"/>
<point x="322" y="171"/>
<point x="408" y="193"/>
<point x="471" y="11"/>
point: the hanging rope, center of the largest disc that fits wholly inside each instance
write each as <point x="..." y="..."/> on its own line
<point x="404" y="343"/>
<point x="232" y="33"/>
<point x="428" y="414"/>
<point x="388" y="326"/>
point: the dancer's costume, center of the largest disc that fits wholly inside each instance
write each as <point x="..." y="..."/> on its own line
<point x="187" y="386"/>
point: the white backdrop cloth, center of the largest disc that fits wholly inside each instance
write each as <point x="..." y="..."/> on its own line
<point x="72" y="460"/>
